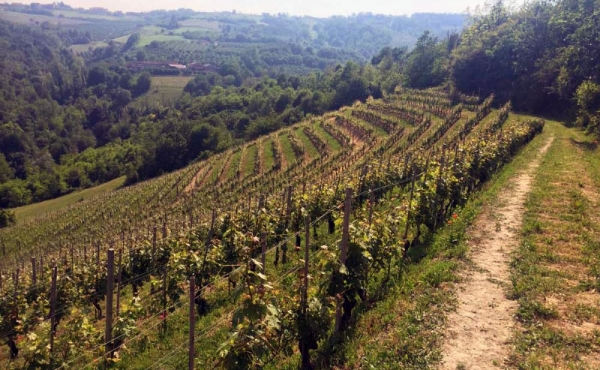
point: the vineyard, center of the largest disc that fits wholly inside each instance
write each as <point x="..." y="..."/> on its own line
<point x="265" y="251"/>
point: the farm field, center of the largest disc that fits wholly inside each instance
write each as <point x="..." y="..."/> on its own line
<point x="151" y="33"/>
<point x="25" y="18"/>
<point x="164" y="91"/>
<point x="390" y="152"/>
<point x="82" y="48"/>
<point x="83" y="15"/>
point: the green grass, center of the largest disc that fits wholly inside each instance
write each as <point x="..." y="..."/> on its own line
<point x="201" y="24"/>
<point x="329" y="140"/>
<point x="248" y="160"/>
<point x="87" y="47"/>
<point x="214" y="174"/>
<point x="151" y="33"/>
<point x="309" y="148"/>
<point x="268" y="157"/>
<point x="34" y="210"/>
<point x="286" y="147"/>
<point x="80" y="15"/>
<point x="235" y="161"/>
<point x="146" y="40"/>
<point x="25" y="18"/>
<point x="556" y="270"/>
<point x="164" y="91"/>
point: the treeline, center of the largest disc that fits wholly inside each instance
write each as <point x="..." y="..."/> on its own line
<point x="543" y="56"/>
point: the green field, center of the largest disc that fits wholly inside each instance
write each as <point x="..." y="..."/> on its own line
<point x="200" y="23"/>
<point x="25" y="18"/>
<point x="33" y="210"/>
<point x="311" y="151"/>
<point x="267" y="150"/>
<point x="288" y="152"/>
<point x="164" y="91"/>
<point x="80" y="15"/>
<point x="152" y="33"/>
<point x="87" y="47"/>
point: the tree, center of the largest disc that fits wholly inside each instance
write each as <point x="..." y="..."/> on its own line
<point x="7" y="218"/>
<point x="173" y="24"/>
<point x="6" y="172"/>
<point x="140" y="55"/>
<point x="588" y="102"/>
<point x="132" y="41"/>
<point x="424" y="65"/>
<point x="143" y="83"/>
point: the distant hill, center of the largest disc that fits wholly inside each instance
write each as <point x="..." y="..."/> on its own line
<point x="365" y="34"/>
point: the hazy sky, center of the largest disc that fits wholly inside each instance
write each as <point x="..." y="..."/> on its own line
<point x="320" y="8"/>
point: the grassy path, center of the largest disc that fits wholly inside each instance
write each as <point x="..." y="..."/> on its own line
<point x="482" y="325"/>
<point x="556" y="270"/>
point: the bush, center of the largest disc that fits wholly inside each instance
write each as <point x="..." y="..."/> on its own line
<point x="7" y="218"/>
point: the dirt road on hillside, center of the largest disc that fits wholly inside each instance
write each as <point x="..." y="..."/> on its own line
<point x="480" y="330"/>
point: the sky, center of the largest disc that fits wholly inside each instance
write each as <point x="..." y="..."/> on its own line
<point x="317" y="8"/>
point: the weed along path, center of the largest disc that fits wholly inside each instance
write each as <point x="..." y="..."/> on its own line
<point x="482" y="326"/>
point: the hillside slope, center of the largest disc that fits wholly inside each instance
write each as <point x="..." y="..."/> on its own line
<point x="411" y="158"/>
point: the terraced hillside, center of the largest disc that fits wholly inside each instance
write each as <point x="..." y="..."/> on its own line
<point x="395" y="169"/>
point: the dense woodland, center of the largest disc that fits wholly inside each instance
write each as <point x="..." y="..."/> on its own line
<point x="66" y="121"/>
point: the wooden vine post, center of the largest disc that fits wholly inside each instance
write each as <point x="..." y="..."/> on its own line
<point x="154" y="236"/>
<point x="16" y="281"/>
<point x="119" y="275"/>
<point x="192" y="349"/>
<point x="438" y="185"/>
<point x="109" y="303"/>
<point x="42" y="268"/>
<point x="306" y="250"/>
<point x="33" y="272"/>
<point x="52" y="314"/>
<point x="371" y="203"/>
<point x="344" y="249"/>
<point x="410" y="199"/>
<point x="164" y="294"/>
<point x="97" y="255"/>
<point x="263" y="254"/>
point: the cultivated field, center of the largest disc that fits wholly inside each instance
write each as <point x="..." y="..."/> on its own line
<point x="164" y="91"/>
<point x="279" y="233"/>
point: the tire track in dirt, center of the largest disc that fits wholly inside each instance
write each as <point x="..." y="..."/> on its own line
<point x="479" y="332"/>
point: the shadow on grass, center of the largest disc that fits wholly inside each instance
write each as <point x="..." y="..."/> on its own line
<point x="585" y="145"/>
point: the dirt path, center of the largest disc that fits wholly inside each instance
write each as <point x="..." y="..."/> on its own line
<point x="197" y="177"/>
<point x="225" y="169"/>
<point x="354" y="140"/>
<point x="480" y="330"/>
